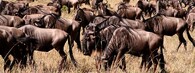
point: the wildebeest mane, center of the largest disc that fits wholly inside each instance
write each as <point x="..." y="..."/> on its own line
<point x="154" y="23"/>
<point x="55" y="16"/>
<point x="38" y="8"/>
<point x="107" y="23"/>
<point x="4" y="18"/>
<point x="115" y="42"/>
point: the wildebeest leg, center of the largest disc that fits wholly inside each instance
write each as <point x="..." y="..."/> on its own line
<point x="189" y="37"/>
<point x="118" y="58"/>
<point x="19" y="58"/>
<point x="77" y="40"/>
<point x="7" y="62"/>
<point x="143" y="62"/>
<point x="162" y="61"/>
<point x="31" y="59"/>
<point x="149" y="62"/>
<point x="98" y="63"/>
<point x="110" y="62"/>
<point x="182" y="40"/>
<point x="13" y="63"/>
<point x="63" y="55"/>
<point x="154" y="57"/>
<point x="70" y="42"/>
<point x="123" y="64"/>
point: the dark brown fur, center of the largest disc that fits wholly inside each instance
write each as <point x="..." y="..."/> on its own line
<point x="126" y="11"/>
<point x="72" y="27"/>
<point x="127" y="40"/>
<point x="12" y="21"/>
<point x="47" y="39"/>
<point x="169" y="26"/>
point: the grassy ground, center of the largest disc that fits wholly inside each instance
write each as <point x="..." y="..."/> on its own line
<point x="182" y="61"/>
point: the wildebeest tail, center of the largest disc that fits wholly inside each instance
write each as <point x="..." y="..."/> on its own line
<point x="189" y="36"/>
<point x="161" y="56"/>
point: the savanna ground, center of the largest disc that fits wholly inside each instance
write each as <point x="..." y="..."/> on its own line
<point x="182" y="61"/>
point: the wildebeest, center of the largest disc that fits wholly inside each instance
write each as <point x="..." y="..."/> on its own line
<point x="2" y="5"/>
<point x="98" y="34"/>
<point x="95" y="41"/>
<point x="47" y="39"/>
<point x="103" y="10"/>
<point x="174" y="3"/>
<point x="187" y="2"/>
<point x="41" y="9"/>
<point x="181" y="13"/>
<point x="30" y="19"/>
<point x="171" y="11"/>
<point x="147" y="7"/>
<point x="41" y="20"/>
<point x="95" y="3"/>
<point x="126" y="11"/>
<point x="12" y="21"/>
<point x="190" y="19"/>
<point x="84" y="16"/>
<point x="13" y="42"/>
<point x="128" y="40"/>
<point x="118" y="21"/>
<point x="168" y="11"/>
<point x="126" y="1"/>
<point x="169" y="26"/>
<point x="72" y="27"/>
<point x="27" y="0"/>
<point x="12" y="8"/>
<point x="71" y="3"/>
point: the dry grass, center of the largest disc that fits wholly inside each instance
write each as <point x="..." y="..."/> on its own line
<point x="47" y="62"/>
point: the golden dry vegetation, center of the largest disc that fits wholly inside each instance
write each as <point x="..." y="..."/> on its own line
<point x="182" y="61"/>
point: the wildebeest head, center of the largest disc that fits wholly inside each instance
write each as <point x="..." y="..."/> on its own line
<point x="14" y="8"/>
<point x="102" y="7"/>
<point x="89" y="40"/>
<point x="163" y="4"/>
<point x="122" y="8"/>
<point x="84" y="16"/>
<point x="39" y="23"/>
<point x="2" y="5"/>
<point x="50" y="20"/>
<point x="80" y="15"/>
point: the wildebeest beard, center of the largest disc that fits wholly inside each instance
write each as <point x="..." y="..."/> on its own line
<point x="88" y="44"/>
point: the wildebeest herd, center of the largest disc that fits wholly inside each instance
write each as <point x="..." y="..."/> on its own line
<point x="136" y="30"/>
